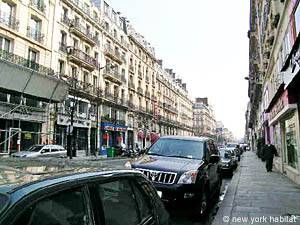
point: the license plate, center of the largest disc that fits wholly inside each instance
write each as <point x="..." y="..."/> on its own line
<point x="159" y="193"/>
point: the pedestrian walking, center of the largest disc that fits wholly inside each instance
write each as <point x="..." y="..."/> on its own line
<point x="269" y="151"/>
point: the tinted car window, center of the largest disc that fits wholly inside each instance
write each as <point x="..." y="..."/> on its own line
<point x="142" y="202"/>
<point x="119" y="205"/>
<point x="65" y="208"/>
<point x="177" y="147"/>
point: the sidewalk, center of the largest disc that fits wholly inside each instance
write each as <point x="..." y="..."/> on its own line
<point x="257" y="197"/>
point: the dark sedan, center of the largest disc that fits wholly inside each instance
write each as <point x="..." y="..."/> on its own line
<point x="82" y="198"/>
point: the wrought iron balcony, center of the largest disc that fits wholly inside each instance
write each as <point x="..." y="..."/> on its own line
<point x="113" y="53"/>
<point x="35" y="34"/>
<point x="112" y="75"/>
<point x="109" y="96"/>
<point x="81" y="31"/>
<point x="20" y="61"/>
<point x="82" y="58"/>
<point x="38" y="4"/>
<point x="9" y="21"/>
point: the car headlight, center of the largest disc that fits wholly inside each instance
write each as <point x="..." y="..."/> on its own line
<point x="188" y="177"/>
<point x="127" y="165"/>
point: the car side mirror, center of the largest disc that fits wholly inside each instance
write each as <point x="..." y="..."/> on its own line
<point x="43" y="151"/>
<point x="214" y="158"/>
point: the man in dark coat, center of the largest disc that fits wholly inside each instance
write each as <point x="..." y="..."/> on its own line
<point x="269" y="151"/>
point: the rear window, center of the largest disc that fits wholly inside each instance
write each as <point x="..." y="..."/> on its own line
<point x="177" y="148"/>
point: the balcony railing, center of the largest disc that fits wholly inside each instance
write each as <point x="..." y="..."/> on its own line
<point x="18" y="60"/>
<point x="35" y="34"/>
<point x="113" y="75"/>
<point x="82" y="58"/>
<point x="131" y="105"/>
<point x="40" y="5"/>
<point x="113" y="53"/>
<point x="83" y="32"/>
<point x="108" y="95"/>
<point x="9" y="21"/>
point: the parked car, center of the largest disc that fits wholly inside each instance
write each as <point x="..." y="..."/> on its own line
<point x="87" y="198"/>
<point x="183" y="169"/>
<point x="42" y="150"/>
<point x="227" y="164"/>
<point x="233" y="157"/>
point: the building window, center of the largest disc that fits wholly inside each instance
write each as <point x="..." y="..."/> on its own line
<point x="291" y="141"/>
<point x="96" y="56"/>
<point x="95" y="81"/>
<point x="5" y="44"/>
<point x="106" y="26"/>
<point x="85" y="77"/>
<point x="7" y="15"/>
<point x="115" y="33"/>
<point x="61" y="67"/>
<point x="34" y="29"/>
<point x="75" y="43"/>
<point x="74" y="72"/>
<point x="33" y="59"/>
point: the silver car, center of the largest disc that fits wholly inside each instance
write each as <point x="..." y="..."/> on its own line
<point x="42" y="151"/>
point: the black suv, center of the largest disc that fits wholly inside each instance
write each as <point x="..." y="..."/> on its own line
<point x="184" y="169"/>
<point x="89" y="198"/>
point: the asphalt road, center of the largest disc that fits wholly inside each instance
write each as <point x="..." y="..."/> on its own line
<point x="182" y="216"/>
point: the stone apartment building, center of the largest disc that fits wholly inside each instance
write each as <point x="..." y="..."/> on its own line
<point x="274" y="65"/>
<point x="204" y="118"/>
<point x="99" y="74"/>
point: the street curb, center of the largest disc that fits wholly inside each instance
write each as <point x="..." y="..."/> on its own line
<point x="226" y="206"/>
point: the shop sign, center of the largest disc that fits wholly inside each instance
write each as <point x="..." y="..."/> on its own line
<point x="122" y="129"/>
<point x="108" y="128"/>
<point x="277" y="108"/>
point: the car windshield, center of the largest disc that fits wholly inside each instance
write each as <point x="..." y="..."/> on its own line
<point x="35" y="148"/>
<point x="231" y="145"/>
<point x="177" y="148"/>
<point x="223" y="155"/>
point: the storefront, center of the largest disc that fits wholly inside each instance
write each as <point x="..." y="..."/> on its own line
<point x="112" y="134"/>
<point x="284" y="131"/>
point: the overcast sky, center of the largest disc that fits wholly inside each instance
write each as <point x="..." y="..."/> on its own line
<point x="206" y="44"/>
